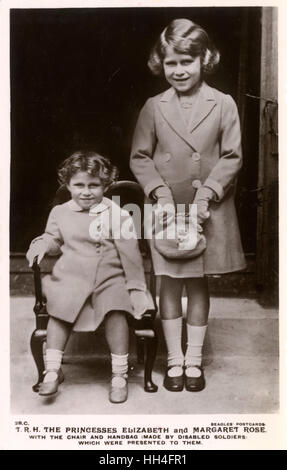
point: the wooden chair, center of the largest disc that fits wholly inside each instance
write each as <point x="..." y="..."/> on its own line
<point x="146" y="337"/>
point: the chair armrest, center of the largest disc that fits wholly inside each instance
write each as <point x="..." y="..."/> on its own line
<point x="40" y="303"/>
<point x="146" y="322"/>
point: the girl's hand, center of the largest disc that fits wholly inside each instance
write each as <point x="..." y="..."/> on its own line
<point x="37" y="248"/>
<point x="202" y="211"/>
<point x="202" y="198"/>
<point x="163" y="196"/>
<point x="139" y="302"/>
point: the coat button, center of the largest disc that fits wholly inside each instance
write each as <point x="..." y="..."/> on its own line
<point x="195" y="157"/>
<point x="196" y="184"/>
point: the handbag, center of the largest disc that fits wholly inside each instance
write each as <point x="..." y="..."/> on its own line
<point x="177" y="235"/>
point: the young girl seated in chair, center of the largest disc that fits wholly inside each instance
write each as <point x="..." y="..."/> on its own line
<point x="99" y="275"/>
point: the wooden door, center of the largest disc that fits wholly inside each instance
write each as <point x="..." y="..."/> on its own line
<point x="267" y="218"/>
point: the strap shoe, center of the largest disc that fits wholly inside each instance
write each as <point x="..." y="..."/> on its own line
<point x="173" y="384"/>
<point x="118" y="388"/>
<point x="195" y="384"/>
<point x="51" y="387"/>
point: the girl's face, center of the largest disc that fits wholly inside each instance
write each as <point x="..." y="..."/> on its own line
<point x="86" y="190"/>
<point x="182" y="71"/>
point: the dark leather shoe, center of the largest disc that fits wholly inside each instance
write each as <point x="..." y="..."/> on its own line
<point x="173" y="384"/>
<point x="50" y="388"/>
<point x="195" y="384"/>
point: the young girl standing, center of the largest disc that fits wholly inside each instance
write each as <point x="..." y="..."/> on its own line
<point x="99" y="273"/>
<point x="187" y="149"/>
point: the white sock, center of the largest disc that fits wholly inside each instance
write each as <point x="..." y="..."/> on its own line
<point x="53" y="363"/>
<point x="119" y="367"/>
<point x="193" y="355"/>
<point x="172" y="330"/>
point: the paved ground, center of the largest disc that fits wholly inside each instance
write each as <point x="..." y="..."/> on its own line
<point x="241" y="368"/>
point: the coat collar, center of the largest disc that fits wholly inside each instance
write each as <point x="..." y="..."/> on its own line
<point x="169" y="108"/>
<point x="97" y="209"/>
<point x="101" y="207"/>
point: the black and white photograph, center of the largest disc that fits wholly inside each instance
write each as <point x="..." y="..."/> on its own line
<point x="143" y="198"/>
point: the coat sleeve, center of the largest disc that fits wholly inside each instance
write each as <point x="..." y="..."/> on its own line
<point x="52" y="237"/>
<point x="225" y="171"/>
<point x="126" y="242"/>
<point x="143" y="146"/>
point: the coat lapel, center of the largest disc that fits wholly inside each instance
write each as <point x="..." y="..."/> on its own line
<point x="204" y="106"/>
<point x="169" y="108"/>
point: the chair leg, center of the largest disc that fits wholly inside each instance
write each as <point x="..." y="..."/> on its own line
<point x="151" y="349"/>
<point x="140" y="349"/>
<point x="37" y="341"/>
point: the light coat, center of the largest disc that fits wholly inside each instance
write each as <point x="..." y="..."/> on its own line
<point x="206" y="151"/>
<point x="97" y="266"/>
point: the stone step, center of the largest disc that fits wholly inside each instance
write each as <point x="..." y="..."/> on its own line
<point x="235" y="385"/>
<point x="239" y="284"/>
<point x="237" y="327"/>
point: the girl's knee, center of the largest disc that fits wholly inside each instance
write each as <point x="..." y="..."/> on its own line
<point x="115" y="314"/>
<point x="116" y="318"/>
<point x="171" y="285"/>
<point x="58" y="324"/>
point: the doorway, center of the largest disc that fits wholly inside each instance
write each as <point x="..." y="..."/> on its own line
<point x="79" y="78"/>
